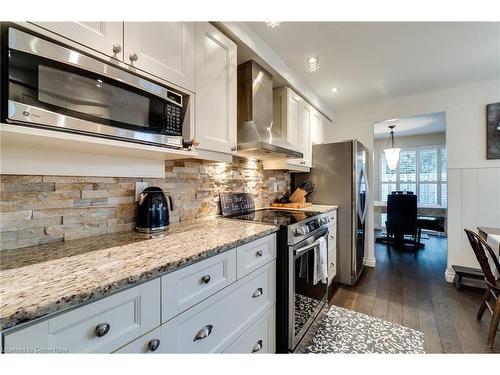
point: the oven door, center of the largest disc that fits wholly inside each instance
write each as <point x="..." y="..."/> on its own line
<point x="50" y="85"/>
<point x="307" y="295"/>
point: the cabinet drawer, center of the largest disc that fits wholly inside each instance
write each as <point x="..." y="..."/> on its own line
<point x="149" y="343"/>
<point x="255" y="254"/>
<point x="211" y="326"/>
<point x="186" y="287"/>
<point x="259" y="338"/>
<point x="101" y="326"/>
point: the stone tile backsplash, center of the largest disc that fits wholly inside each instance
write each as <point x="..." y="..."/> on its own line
<point x="41" y="209"/>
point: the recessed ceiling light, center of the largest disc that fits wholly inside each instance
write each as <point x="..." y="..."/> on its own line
<point x="335" y="89"/>
<point x="313" y="64"/>
<point x="272" y="24"/>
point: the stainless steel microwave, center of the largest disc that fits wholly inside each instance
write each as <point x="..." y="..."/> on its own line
<point x="52" y="86"/>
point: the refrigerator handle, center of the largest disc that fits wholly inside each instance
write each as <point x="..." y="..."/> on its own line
<point x="363" y="211"/>
<point x="367" y="199"/>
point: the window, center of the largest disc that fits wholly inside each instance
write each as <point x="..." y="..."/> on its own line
<point x="421" y="170"/>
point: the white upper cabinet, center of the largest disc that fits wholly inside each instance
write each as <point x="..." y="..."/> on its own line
<point x="303" y="129"/>
<point x="216" y="90"/>
<point x="163" y="49"/>
<point x="316" y="127"/>
<point x="104" y="37"/>
<point x="293" y="118"/>
<point x="293" y="115"/>
<point x="319" y="126"/>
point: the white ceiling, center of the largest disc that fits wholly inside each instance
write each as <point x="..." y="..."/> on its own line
<point x="415" y="125"/>
<point x="370" y="61"/>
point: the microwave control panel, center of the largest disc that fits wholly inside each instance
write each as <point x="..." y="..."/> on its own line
<point x="173" y="119"/>
<point x="173" y="113"/>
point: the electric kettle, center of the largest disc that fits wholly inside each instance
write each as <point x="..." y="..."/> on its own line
<point x="153" y="212"/>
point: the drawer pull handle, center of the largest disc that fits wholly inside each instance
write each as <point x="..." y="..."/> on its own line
<point x="205" y="279"/>
<point x="257" y="347"/>
<point x="257" y="293"/>
<point x="203" y="333"/>
<point x="153" y="345"/>
<point x="260" y="253"/>
<point x="133" y="57"/>
<point x="102" y="329"/>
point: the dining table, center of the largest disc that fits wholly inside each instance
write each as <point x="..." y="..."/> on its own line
<point x="492" y="237"/>
<point x="423" y="209"/>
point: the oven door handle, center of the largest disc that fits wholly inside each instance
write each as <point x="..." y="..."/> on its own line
<point x="308" y="247"/>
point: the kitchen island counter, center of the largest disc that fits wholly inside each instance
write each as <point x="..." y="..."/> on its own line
<point x="321" y="208"/>
<point x="41" y="280"/>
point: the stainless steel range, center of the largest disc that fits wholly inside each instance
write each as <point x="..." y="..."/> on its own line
<point x="300" y="293"/>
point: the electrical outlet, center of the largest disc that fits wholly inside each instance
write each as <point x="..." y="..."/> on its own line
<point x="139" y="187"/>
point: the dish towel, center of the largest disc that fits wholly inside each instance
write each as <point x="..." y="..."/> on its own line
<point x="304" y="266"/>
<point x="494" y="241"/>
<point x="321" y="262"/>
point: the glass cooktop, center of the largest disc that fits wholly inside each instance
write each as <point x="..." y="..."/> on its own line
<point x="278" y="217"/>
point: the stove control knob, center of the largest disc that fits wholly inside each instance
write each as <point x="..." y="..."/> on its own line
<point x="323" y="220"/>
<point x="299" y="232"/>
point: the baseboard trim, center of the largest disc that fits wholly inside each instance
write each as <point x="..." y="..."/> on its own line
<point x="369" y="261"/>
<point x="449" y="275"/>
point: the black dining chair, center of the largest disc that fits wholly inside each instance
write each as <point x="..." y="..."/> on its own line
<point x="401" y="219"/>
<point x="483" y="251"/>
<point x="435" y="224"/>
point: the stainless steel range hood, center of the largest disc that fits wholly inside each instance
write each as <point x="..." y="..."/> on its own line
<point x="258" y="137"/>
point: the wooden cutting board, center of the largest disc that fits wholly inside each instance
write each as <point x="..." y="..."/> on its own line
<point x="292" y="205"/>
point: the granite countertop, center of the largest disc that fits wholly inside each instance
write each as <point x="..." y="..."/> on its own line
<point x="315" y="207"/>
<point x="40" y="280"/>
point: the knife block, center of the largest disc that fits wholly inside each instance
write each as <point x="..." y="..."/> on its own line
<point x="298" y="196"/>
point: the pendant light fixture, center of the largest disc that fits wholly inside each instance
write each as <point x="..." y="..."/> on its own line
<point x="392" y="153"/>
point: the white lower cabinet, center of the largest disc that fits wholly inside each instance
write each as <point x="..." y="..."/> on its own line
<point x="184" y="288"/>
<point x="332" y="246"/>
<point x="149" y="343"/>
<point x="213" y="325"/>
<point x="259" y="338"/>
<point x="255" y="254"/>
<point x="99" y="327"/>
<point x="232" y="310"/>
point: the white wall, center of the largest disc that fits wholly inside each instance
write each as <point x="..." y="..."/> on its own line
<point x="473" y="181"/>
<point x="431" y="139"/>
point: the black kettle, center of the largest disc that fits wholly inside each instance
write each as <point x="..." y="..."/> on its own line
<point x="153" y="213"/>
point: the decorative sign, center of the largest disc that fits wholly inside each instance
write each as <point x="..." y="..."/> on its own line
<point x="236" y="203"/>
<point x="493" y="135"/>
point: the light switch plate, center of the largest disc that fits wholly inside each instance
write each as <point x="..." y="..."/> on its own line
<point x="275" y="187"/>
<point x="139" y="187"/>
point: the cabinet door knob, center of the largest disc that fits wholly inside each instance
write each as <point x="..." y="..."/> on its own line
<point x="133" y="56"/>
<point x="153" y="345"/>
<point x="205" y="279"/>
<point x="257" y="293"/>
<point x="117" y="48"/>
<point x="331" y="237"/>
<point x="233" y="149"/>
<point x="257" y="347"/>
<point x="102" y="329"/>
<point x="204" y="332"/>
<point x="260" y="253"/>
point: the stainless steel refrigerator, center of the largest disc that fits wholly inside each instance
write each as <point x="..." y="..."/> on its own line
<point x="340" y="173"/>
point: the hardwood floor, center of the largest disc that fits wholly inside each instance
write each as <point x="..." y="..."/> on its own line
<point x="412" y="291"/>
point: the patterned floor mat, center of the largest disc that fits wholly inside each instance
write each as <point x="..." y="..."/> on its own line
<point x="346" y="331"/>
